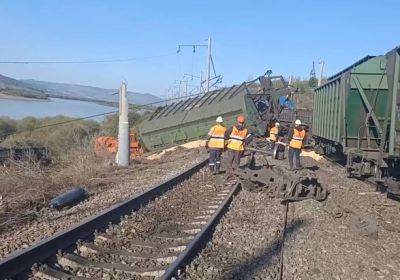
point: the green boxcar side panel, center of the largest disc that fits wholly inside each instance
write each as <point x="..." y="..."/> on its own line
<point x="356" y="112"/>
<point x="335" y="101"/>
<point x="322" y="116"/>
<point x="336" y="121"/>
<point x="331" y="110"/>
<point x="393" y="65"/>
<point x="252" y="116"/>
<point x="315" y="106"/>
<point x="327" y="117"/>
<point x="325" y="113"/>
<point x="318" y="108"/>
<point x="326" y="124"/>
<point x="371" y="75"/>
<point x="344" y="89"/>
<point x="194" y="120"/>
<point x="319" y="112"/>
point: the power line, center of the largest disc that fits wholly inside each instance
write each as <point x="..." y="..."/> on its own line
<point x="83" y="61"/>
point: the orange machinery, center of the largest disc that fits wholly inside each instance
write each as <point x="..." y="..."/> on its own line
<point x="109" y="145"/>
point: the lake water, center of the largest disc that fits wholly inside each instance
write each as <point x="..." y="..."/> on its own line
<point x="18" y="109"/>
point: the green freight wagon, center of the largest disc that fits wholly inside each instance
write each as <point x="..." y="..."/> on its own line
<point x="357" y="112"/>
<point x="190" y="119"/>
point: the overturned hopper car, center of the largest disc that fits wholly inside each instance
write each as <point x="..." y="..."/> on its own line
<point x="357" y="112"/>
<point x="191" y="118"/>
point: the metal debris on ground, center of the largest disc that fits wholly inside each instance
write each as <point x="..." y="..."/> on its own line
<point x="297" y="186"/>
<point x="69" y="198"/>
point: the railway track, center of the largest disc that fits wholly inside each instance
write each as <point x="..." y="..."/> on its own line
<point x="159" y="232"/>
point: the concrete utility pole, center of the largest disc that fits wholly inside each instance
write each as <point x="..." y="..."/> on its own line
<point x="208" y="64"/>
<point x="321" y="72"/>
<point x="123" y="128"/>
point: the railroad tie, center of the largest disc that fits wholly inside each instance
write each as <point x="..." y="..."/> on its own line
<point x="77" y="262"/>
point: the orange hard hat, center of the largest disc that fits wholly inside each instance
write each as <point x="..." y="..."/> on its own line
<point x="241" y="119"/>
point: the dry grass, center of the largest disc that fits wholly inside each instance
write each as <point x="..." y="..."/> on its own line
<point x="26" y="187"/>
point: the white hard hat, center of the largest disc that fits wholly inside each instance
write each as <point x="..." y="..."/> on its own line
<point x="219" y="120"/>
<point x="276" y="124"/>
<point x="298" y="122"/>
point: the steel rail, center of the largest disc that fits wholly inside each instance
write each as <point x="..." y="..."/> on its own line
<point x="22" y="260"/>
<point x="200" y="239"/>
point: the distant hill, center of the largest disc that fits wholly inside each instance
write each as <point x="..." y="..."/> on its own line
<point x="15" y="87"/>
<point x="64" y="90"/>
<point x="43" y="90"/>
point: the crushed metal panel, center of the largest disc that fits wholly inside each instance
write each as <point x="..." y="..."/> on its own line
<point x="191" y="120"/>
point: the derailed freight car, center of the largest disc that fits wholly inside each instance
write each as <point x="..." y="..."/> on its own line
<point x="357" y="112"/>
<point x="190" y="119"/>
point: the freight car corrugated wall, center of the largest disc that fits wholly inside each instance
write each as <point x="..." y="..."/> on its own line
<point x="328" y="110"/>
<point x="352" y="106"/>
<point x="393" y="70"/>
<point x="191" y="119"/>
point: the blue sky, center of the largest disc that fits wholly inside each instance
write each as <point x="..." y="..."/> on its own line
<point x="249" y="37"/>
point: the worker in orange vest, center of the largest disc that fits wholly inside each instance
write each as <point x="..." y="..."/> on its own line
<point x="273" y="134"/>
<point x="216" y="144"/>
<point x="238" y="136"/>
<point x="296" y="136"/>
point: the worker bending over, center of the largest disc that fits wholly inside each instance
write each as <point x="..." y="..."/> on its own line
<point x="273" y="134"/>
<point x="296" y="138"/>
<point x="216" y="144"/>
<point x="238" y="136"/>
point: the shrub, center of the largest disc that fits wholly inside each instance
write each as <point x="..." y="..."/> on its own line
<point x="109" y="126"/>
<point x="58" y="139"/>
<point x="7" y="127"/>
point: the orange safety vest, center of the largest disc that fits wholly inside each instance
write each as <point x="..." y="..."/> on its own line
<point x="217" y="137"/>
<point x="297" y="139"/>
<point x="273" y="134"/>
<point x="237" y="138"/>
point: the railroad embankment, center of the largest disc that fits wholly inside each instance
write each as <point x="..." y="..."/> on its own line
<point x="26" y="217"/>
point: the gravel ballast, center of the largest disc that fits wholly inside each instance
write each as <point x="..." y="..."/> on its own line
<point x="136" y="179"/>
<point x="354" y="234"/>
